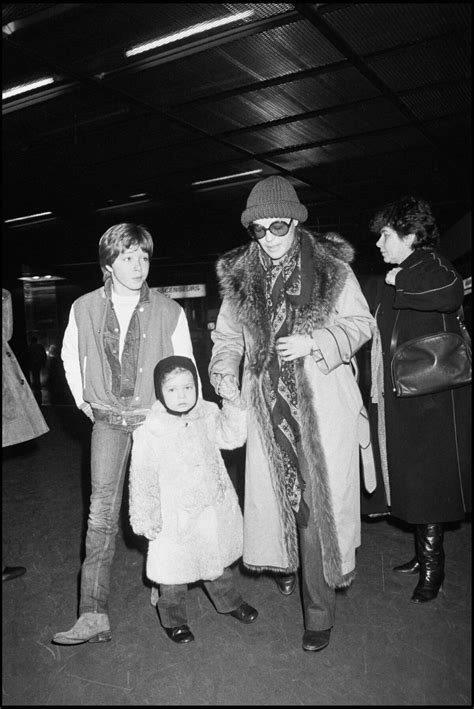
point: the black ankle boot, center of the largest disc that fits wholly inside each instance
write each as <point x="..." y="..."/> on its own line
<point x="430" y="553"/>
<point x="411" y="567"/>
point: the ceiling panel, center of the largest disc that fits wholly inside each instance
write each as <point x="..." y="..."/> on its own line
<point x="444" y="59"/>
<point x="353" y="102"/>
<point x="379" y="26"/>
<point x="277" y="102"/>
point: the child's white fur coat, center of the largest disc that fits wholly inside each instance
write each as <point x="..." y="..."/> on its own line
<point x="181" y="497"/>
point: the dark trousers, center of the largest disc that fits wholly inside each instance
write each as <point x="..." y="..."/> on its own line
<point x="319" y="599"/>
<point x="36" y="384"/>
<point x="172" y="601"/>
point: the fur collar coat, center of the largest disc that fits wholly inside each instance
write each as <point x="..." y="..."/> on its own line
<point x="333" y="418"/>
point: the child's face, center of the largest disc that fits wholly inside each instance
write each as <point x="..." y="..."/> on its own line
<point x="179" y="391"/>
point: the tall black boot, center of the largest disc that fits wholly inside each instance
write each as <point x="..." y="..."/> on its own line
<point x="430" y="554"/>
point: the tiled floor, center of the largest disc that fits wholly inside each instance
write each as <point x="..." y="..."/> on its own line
<point x="384" y="650"/>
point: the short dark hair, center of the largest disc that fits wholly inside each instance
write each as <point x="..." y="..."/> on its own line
<point x="409" y="215"/>
<point x="120" y="237"/>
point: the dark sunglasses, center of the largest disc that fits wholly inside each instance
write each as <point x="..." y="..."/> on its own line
<point x="278" y="228"/>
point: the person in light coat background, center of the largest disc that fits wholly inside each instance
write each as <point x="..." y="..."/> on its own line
<point x="182" y="499"/>
<point x="293" y="309"/>
<point x="22" y="419"/>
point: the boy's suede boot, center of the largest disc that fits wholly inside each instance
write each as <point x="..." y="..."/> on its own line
<point x="89" y="628"/>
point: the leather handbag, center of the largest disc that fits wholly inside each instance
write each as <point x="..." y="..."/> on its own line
<point x="433" y="363"/>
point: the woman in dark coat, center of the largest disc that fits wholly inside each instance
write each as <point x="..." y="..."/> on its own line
<point x="424" y="440"/>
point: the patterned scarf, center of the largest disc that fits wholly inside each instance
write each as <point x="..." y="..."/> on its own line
<point x="283" y="288"/>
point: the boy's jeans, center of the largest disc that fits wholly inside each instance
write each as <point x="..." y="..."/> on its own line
<point x="172" y="601"/>
<point x="110" y="449"/>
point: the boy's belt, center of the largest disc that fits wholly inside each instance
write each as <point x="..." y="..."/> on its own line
<point x="124" y="418"/>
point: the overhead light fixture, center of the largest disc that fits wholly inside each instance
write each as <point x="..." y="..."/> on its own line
<point x="23" y="88"/>
<point x="122" y="205"/>
<point x="40" y="279"/>
<point x="29" y="217"/>
<point x="139" y="194"/>
<point x="195" y="29"/>
<point x="226" y="177"/>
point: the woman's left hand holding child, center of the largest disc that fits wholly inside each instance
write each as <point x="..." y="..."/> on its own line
<point x="228" y="388"/>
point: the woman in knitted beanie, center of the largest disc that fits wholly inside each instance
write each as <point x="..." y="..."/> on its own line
<point x="292" y="307"/>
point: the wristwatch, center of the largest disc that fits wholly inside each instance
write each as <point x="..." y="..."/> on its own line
<point x="316" y="352"/>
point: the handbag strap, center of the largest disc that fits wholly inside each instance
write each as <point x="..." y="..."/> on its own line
<point x="393" y="341"/>
<point x="462" y="327"/>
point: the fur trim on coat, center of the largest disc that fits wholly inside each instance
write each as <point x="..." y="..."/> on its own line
<point x="242" y="286"/>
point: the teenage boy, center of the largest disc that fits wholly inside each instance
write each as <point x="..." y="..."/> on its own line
<point x="114" y="338"/>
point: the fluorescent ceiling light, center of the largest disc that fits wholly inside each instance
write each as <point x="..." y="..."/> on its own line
<point x="28" y="216"/>
<point x="226" y="177"/>
<point x="26" y="87"/>
<point x="122" y="205"/>
<point x="195" y="29"/>
<point x="139" y="194"/>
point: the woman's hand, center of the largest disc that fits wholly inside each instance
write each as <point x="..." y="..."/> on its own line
<point x="391" y="275"/>
<point x="228" y="388"/>
<point x="225" y="385"/>
<point x="294" y="346"/>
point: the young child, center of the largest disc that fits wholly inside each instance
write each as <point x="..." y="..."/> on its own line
<point x="181" y="497"/>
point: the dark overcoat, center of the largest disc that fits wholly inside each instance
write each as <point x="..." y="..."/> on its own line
<point x="428" y="437"/>
<point x="22" y="419"/>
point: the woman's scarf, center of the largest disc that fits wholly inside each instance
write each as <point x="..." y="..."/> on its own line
<point x="286" y="285"/>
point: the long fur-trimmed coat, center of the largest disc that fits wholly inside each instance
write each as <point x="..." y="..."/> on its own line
<point x="181" y="497"/>
<point x="333" y="418"/>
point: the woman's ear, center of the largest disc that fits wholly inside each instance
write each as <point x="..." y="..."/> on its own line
<point x="108" y="268"/>
<point x="410" y="240"/>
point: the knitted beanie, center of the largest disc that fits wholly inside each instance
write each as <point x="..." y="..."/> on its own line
<point x="273" y="197"/>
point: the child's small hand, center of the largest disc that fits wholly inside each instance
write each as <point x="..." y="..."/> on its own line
<point x="152" y="533"/>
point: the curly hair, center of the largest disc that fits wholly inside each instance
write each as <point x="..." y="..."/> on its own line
<point x="120" y="237"/>
<point x="409" y="215"/>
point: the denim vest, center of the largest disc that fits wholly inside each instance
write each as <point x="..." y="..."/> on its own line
<point x="124" y="372"/>
<point x="125" y="386"/>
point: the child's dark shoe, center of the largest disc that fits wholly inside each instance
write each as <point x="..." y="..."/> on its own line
<point x="180" y="634"/>
<point x="244" y="613"/>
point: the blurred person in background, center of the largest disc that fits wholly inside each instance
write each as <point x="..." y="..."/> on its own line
<point x="22" y="419"/>
<point x="36" y="362"/>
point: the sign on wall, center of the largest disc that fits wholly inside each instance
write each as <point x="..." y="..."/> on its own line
<point x="196" y="290"/>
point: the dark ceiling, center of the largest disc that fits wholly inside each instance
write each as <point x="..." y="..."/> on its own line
<point x="355" y="103"/>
